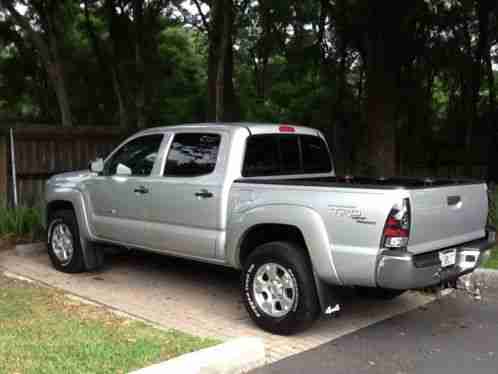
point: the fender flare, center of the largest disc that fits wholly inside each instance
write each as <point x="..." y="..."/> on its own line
<point x="92" y="256"/>
<point x="305" y="219"/>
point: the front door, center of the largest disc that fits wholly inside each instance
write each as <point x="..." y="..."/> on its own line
<point x="118" y="198"/>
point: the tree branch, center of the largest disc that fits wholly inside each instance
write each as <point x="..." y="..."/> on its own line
<point x="203" y="16"/>
<point x="32" y="34"/>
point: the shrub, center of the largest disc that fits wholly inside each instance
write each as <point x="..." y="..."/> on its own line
<point x="21" y="222"/>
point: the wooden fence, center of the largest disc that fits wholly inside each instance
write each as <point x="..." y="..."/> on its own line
<point x="42" y="151"/>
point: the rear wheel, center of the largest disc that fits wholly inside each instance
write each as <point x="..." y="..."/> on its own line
<point x="64" y="247"/>
<point x="278" y="288"/>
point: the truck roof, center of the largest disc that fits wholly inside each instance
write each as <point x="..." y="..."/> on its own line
<point x="253" y="128"/>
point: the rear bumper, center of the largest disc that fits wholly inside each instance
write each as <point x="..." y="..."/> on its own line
<point x="402" y="270"/>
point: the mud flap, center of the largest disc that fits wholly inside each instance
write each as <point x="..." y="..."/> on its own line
<point x="92" y="256"/>
<point x="329" y="303"/>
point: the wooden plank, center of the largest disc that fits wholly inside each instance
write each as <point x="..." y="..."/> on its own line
<point x="43" y="151"/>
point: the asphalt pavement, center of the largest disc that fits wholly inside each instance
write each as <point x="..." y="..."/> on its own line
<point x="456" y="334"/>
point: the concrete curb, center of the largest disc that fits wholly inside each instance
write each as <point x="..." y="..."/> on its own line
<point x="236" y="356"/>
<point x="30" y="249"/>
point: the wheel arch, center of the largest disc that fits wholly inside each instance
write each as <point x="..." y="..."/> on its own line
<point x="55" y="205"/>
<point x="72" y="199"/>
<point x="263" y="233"/>
<point x="300" y="224"/>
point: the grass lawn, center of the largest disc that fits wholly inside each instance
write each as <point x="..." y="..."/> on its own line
<point x="44" y="331"/>
<point x="492" y="263"/>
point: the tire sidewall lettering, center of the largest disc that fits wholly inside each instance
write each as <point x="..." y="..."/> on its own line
<point x="247" y="290"/>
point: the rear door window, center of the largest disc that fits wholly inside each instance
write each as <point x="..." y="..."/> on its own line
<point x="192" y="154"/>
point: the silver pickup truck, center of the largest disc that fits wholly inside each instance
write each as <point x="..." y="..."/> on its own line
<point x="265" y="199"/>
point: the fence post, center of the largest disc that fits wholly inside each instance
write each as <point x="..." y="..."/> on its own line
<point x="4" y="169"/>
<point x="13" y="167"/>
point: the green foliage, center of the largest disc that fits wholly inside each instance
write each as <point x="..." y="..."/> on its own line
<point x="308" y="62"/>
<point x="492" y="263"/>
<point x="20" y="222"/>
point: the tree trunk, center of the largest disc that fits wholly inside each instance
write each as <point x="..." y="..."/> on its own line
<point x="106" y="61"/>
<point x="58" y="81"/>
<point x="381" y="115"/>
<point x="381" y="103"/>
<point x="49" y="53"/>
<point x="492" y="115"/>
<point x="388" y="25"/>
<point x="221" y="96"/>
<point x="140" y="65"/>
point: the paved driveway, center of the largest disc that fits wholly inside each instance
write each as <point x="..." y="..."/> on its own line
<point x="456" y="335"/>
<point x="196" y="298"/>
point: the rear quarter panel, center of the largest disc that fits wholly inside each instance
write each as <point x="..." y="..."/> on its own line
<point x="342" y="226"/>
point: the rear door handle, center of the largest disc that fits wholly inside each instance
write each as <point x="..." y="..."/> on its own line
<point x="204" y="194"/>
<point x="141" y="190"/>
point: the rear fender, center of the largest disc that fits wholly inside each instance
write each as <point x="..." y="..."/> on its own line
<point x="307" y="220"/>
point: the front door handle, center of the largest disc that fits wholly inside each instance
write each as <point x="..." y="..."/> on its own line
<point x="141" y="190"/>
<point x="204" y="194"/>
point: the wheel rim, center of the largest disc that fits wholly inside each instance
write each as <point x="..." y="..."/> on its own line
<point x="275" y="290"/>
<point x="62" y="243"/>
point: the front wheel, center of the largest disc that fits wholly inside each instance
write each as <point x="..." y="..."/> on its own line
<point x="64" y="247"/>
<point x="278" y="288"/>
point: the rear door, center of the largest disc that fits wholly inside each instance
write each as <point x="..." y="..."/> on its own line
<point x="185" y="212"/>
<point x="446" y="216"/>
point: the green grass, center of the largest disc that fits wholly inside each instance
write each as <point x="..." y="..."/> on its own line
<point x="492" y="263"/>
<point x="43" y="331"/>
<point x="22" y="222"/>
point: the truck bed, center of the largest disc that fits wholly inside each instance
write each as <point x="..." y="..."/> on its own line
<point x="408" y="183"/>
<point x="444" y="212"/>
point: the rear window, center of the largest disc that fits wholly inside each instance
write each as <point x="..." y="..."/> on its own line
<point x="277" y="154"/>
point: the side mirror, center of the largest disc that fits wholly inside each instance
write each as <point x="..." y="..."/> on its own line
<point x="97" y="166"/>
<point x="123" y="170"/>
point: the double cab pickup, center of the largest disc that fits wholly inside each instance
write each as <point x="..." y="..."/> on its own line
<point x="265" y="199"/>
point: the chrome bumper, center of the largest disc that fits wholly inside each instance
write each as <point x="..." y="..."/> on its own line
<point x="401" y="270"/>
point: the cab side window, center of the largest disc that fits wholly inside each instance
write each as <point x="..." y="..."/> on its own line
<point x="135" y="158"/>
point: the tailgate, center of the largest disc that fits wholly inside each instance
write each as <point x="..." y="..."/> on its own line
<point x="447" y="216"/>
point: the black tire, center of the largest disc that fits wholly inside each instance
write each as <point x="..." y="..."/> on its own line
<point x="294" y="260"/>
<point x="76" y="263"/>
<point x="378" y="293"/>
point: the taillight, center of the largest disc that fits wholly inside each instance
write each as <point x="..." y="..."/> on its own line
<point x="397" y="228"/>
